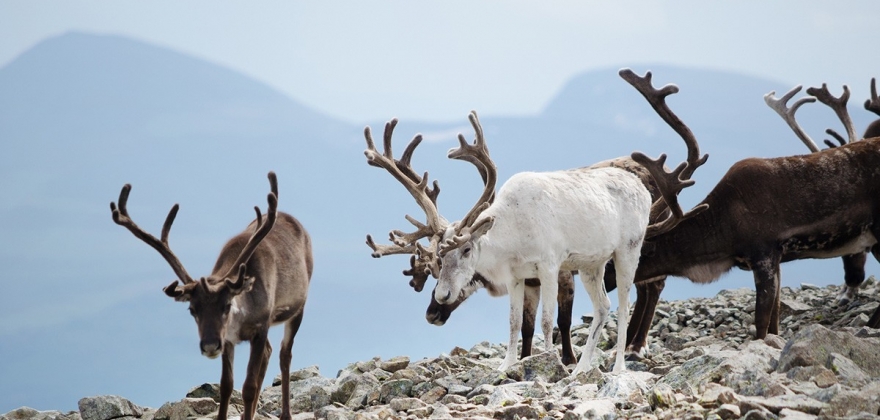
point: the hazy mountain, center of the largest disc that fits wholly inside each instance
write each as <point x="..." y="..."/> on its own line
<point x="80" y="115"/>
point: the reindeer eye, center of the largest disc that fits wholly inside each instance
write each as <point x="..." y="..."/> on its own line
<point x="466" y="252"/>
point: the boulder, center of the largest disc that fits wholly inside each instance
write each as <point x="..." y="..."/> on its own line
<point x="106" y="407"/>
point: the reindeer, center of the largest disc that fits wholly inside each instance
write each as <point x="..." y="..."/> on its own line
<point x="765" y="212"/>
<point x="423" y="261"/>
<point x="854" y="264"/>
<point x="260" y="279"/>
<point x="543" y="223"/>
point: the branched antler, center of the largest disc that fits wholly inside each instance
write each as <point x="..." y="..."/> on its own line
<point x="787" y="114"/>
<point x="121" y="217"/>
<point x="424" y="261"/>
<point x="838" y="104"/>
<point x="669" y="183"/>
<point x="478" y="155"/>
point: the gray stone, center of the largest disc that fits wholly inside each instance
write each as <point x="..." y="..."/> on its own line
<point x="520" y="411"/>
<point x="813" y="344"/>
<point x="593" y="409"/>
<point x="661" y="396"/>
<point x="852" y="403"/>
<point x="847" y="372"/>
<point x="394" y="364"/>
<point x="544" y="367"/>
<point x="27" y="413"/>
<point x="727" y="412"/>
<point x="189" y="408"/>
<point x="396" y="388"/>
<point x="213" y="391"/>
<point x="406" y="404"/>
<point x="106" y="407"/>
<point x="304" y="373"/>
<point x="352" y="390"/>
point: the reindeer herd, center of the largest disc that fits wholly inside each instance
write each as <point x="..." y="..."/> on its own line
<point x="615" y="224"/>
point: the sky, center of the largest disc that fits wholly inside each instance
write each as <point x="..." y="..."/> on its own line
<point x="363" y="62"/>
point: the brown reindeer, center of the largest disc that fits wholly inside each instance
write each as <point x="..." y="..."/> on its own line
<point x="767" y="211"/>
<point x="854" y="264"/>
<point x="260" y="279"/>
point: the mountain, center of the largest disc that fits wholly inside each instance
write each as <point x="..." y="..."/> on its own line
<point x="83" y="114"/>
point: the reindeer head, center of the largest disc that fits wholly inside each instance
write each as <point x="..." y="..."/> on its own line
<point x="459" y="254"/>
<point x="212" y="298"/>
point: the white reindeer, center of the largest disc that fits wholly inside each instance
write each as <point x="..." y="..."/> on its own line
<point x="541" y="223"/>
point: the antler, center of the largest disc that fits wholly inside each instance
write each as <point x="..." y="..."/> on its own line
<point x="478" y="155"/>
<point x="121" y="217"/>
<point x="260" y="231"/>
<point x="838" y="104"/>
<point x="787" y="114"/>
<point x="669" y="183"/>
<point x="873" y="104"/>
<point x="424" y="260"/>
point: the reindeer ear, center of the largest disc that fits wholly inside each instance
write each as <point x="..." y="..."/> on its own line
<point x="176" y="292"/>
<point x="483" y="226"/>
<point x="242" y="284"/>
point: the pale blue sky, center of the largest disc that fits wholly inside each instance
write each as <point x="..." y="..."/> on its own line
<point x="365" y="61"/>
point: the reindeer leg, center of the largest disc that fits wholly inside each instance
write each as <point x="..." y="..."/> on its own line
<point x="594" y="283"/>
<point x="549" y="293"/>
<point x="626" y="262"/>
<point x="226" y="382"/>
<point x="766" y="272"/>
<point x="530" y="312"/>
<point x="285" y="356"/>
<point x="565" y="300"/>
<point x="250" y="390"/>
<point x="853" y="276"/>
<point x="647" y="297"/>
<point x="517" y="293"/>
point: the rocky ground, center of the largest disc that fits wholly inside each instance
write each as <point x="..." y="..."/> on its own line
<point x="702" y="364"/>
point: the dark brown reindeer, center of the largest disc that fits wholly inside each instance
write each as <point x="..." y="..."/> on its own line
<point x="260" y="279"/>
<point x="765" y="212"/>
<point x="854" y="264"/>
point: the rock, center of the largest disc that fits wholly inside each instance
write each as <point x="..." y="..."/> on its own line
<point x="852" y="403"/>
<point x="106" y="407"/>
<point x="352" y="390"/>
<point x="847" y="371"/>
<point x="433" y="395"/>
<point x="27" y="413"/>
<point x="520" y="411"/>
<point x="812" y="346"/>
<point x="394" y="364"/>
<point x="189" y="408"/>
<point x="213" y="391"/>
<point x="304" y="373"/>
<point x="727" y="411"/>
<point x="406" y="404"/>
<point x="544" y="367"/>
<point x="661" y="396"/>
<point x="592" y="409"/>
<point x="397" y="388"/>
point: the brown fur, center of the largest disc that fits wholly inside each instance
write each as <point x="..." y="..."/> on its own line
<point x="270" y="288"/>
<point x="767" y="211"/>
